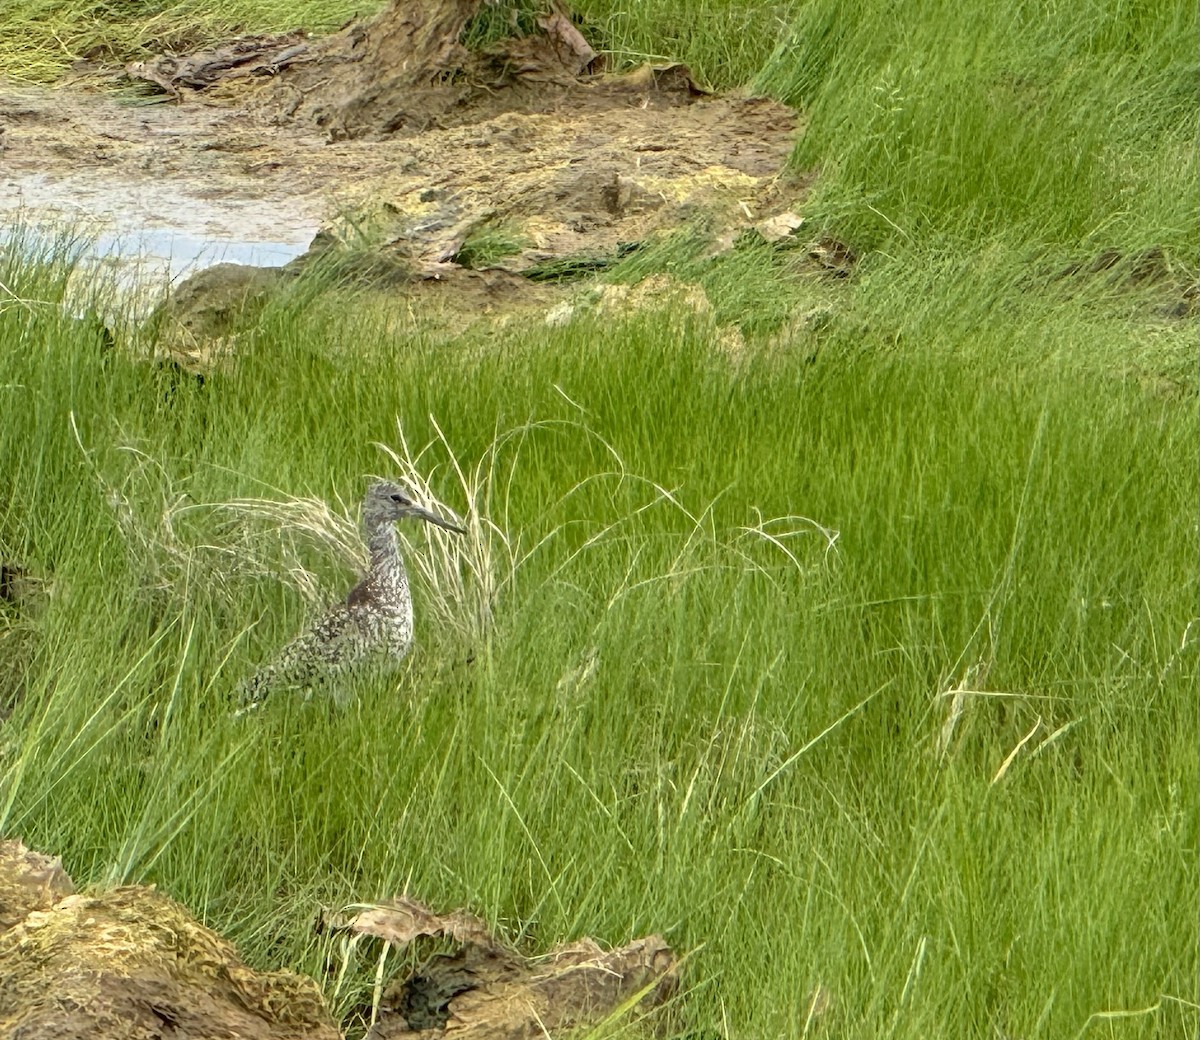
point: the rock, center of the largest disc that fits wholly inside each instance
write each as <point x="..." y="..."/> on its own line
<point x="206" y="310"/>
<point x="28" y="881"/>
<point x="779" y="226"/>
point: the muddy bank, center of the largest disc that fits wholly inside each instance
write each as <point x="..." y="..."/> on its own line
<point x="525" y="158"/>
<point x="193" y="184"/>
<point x="517" y="156"/>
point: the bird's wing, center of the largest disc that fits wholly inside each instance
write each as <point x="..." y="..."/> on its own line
<point x="318" y="654"/>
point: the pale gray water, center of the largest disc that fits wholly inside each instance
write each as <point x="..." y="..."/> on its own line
<point x="148" y="233"/>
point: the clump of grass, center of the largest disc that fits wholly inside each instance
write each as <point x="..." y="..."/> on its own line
<point x="487" y="246"/>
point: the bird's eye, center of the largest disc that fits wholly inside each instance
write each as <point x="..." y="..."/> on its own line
<point x="398" y="498"/>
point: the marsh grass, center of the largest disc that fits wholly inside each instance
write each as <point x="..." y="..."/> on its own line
<point x="859" y="665"/>
<point x="43" y="38"/>
<point x="978" y="122"/>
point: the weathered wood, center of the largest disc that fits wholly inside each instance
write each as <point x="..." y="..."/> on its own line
<point x="487" y="991"/>
<point x="246" y="56"/>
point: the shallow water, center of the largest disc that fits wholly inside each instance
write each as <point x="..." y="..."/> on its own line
<point x="152" y="232"/>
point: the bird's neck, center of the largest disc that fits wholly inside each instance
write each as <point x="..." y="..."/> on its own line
<point x="387" y="569"/>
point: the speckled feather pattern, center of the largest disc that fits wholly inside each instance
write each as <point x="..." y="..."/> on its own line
<point x="372" y="628"/>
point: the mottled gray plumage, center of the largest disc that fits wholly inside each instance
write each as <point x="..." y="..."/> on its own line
<point x="373" y="626"/>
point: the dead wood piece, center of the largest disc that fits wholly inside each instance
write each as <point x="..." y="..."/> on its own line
<point x="478" y="994"/>
<point x="402" y="920"/>
<point x="573" y="50"/>
<point x="243" y="57"/>
<point x="485" y="991"/>
<point x="672" y="78"/>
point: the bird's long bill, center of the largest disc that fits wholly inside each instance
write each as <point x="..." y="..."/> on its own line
<point x="433" y="518"/>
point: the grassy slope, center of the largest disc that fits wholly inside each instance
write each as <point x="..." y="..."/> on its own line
<point x="1012" y="474"/>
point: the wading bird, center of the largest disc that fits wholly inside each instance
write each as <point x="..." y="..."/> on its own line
<point x="373" y="627"/>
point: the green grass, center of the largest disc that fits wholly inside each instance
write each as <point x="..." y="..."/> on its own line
<point x="863" y="660"/>
<point x="685" y="715"/>
<point x="1068" y="126"/>
<point x="487" y="246"/>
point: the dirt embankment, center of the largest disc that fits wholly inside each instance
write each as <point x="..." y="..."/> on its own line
<point x="132" y="964"/>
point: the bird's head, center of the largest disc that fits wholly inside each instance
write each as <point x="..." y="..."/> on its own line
<point x="387" y="501"/>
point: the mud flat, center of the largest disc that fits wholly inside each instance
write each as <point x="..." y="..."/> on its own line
<point x="165" y="189"/>
<point x="525" y="160"/>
